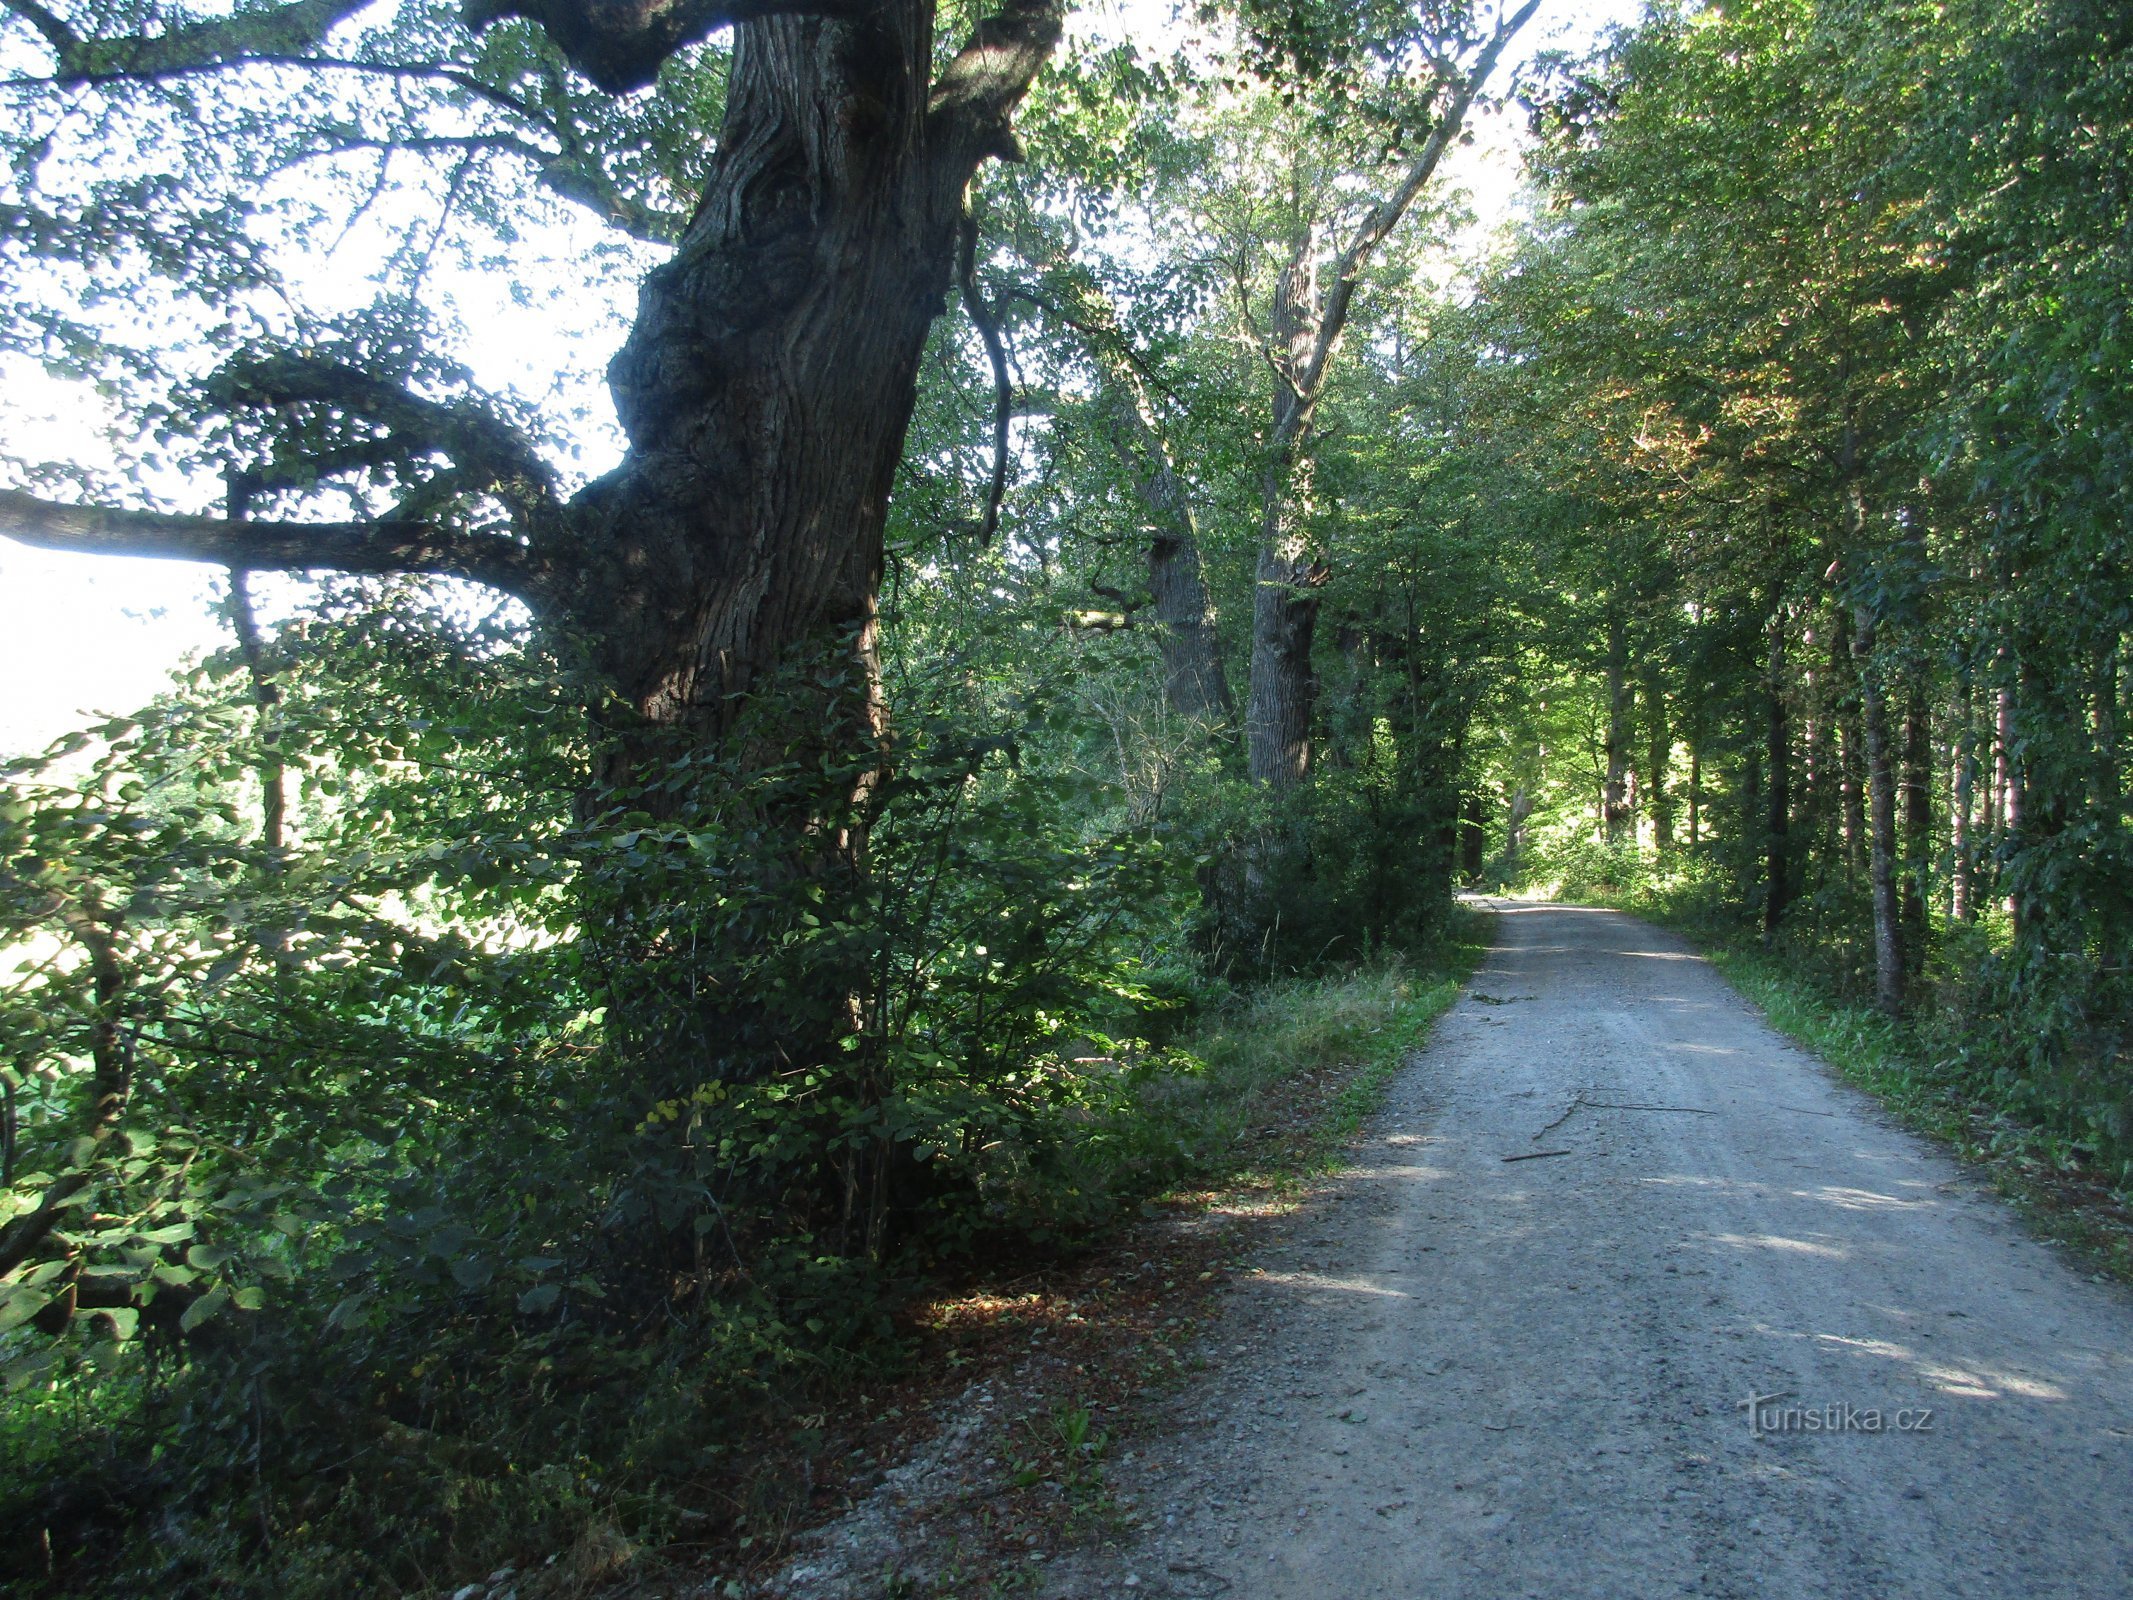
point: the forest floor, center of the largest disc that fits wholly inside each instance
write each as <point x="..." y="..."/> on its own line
<point x="1512" y="1350"/>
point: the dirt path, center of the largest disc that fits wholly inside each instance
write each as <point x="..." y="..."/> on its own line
<point x="1463" y="1376"/>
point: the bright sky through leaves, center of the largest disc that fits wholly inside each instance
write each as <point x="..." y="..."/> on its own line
<point x="83" y="635"/>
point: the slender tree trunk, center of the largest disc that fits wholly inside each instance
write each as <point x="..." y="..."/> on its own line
<point x="2006" y="802"/>
<point x="1515" y="828"/>
<point x="1881" y="816"/>
<point x="273" y="783"/>
<point x="1777" y="890"/>
<point x="1753" y="824"/>
<point x="1917" y="840"/>
<point x="1285" y="594"/>
<point x="2007" y="791"/>
<point x="1851" y="769"/>
<point x="1473" y="836"/>
<point x="1695" y="794"/>
<point x="1659" y="751"/>
<point x="1962" y="901"/>
<point x="1614" y="796"/>
<point x="2109" y="786"/>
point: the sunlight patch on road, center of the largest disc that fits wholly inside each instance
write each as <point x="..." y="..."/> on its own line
<point x="1860" y="1199"/>
<point x="1777" y="1241"/>
<point x="1319" y="1280"/>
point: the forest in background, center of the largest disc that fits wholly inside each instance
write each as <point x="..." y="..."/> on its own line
<point x="1088" y="573"/>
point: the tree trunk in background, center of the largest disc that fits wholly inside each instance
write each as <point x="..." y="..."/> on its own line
<point x="1658" y="752"/>
<point x="1614" y="794"/>
<point x="1962" y="899"/>
<point x="1309" y="318"/>
<point x="1917" y="822"/>
<point x="1881" y="816"/>
<point x="2110" y="783"/>
<point x="1753" y="821"/>
<point x="1194" y="681"/>
<point x="2007" y="789"/>
<point x="1777" y="881"/>
<point x="1195" y="684"/>
<point x="1515" y="829"/>
<point x="1473" y="836"/>
<point x="1285" y="589"/>
<point x="1851" y="770"/>
<point x="1695" y="794"/>
<point x="2006" y="799"/>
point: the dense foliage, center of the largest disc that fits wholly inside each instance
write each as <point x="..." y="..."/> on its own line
<point x="453" y="1115"/>
<point x="1814" y="357"/>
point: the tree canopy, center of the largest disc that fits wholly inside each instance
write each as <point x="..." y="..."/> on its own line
<point x="1077" y="529"/>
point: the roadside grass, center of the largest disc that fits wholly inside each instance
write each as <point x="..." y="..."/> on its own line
<point x="1291" y="1070"/>
<point x="1282" y="1078"/>
<point x="1920" y="1075"/>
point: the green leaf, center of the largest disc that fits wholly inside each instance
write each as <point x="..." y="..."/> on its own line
<point x="204" y="1308"/>
<point x="19" y="1303"/>
<point x="124" y="1320"/>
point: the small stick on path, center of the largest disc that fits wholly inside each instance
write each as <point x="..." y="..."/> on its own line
<point x="1539" y="1155"/>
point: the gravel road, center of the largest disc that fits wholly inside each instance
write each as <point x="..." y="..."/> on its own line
<point x="1462" y="1375"/>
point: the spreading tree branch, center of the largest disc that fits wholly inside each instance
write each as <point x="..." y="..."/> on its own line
<point x="620" y="44"/>
<point x="1386" y="214"/>
<point x="978" y="90"/>
<point x="287" y="30"/>
<point x="489" y="454"/>
<point x="364" y="548"/>
<point x="1003" y="387"/>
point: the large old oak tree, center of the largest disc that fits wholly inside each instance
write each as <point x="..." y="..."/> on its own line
<point x="765" y="387"/>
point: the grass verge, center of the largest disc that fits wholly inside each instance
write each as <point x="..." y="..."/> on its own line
<point x="1287" y="1075"/>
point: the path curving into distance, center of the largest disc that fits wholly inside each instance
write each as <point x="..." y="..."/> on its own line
<point x="1462" y="1376"/>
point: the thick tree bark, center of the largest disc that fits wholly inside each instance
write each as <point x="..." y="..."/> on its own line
<point x="723" y="578"/>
